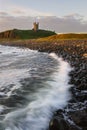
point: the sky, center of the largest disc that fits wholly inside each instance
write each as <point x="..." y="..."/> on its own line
<point x="61" y="16"/>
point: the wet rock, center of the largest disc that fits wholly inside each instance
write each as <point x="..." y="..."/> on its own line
<point x="80" y="118"/>
<point x="58" y="123"/>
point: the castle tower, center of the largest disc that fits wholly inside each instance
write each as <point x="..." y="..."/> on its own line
<point x="36" y="26"/>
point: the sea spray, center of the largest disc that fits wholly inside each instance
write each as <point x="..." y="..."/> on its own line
<point x="37" y="114"/>
<point x="41" y="79"/>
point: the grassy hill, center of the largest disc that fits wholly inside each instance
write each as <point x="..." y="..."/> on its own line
<point x="64" y="37"/>
<point x="39" y="36"/>
<point x="25" y="34"/>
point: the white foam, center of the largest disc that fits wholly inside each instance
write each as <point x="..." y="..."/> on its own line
<point x="11" y="70"/>
<point x="15" y="50"/>
<point x="37" y="114"/>
<point x="1" y="108"/>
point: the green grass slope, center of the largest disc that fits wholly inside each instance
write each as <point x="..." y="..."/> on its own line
<point x="25" y="34"/>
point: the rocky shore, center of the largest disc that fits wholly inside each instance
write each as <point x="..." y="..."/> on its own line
<point x="74" y="115"/>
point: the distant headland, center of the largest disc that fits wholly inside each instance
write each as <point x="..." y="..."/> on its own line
<point x="34" y="33"/>
<point x="41" y="34"/>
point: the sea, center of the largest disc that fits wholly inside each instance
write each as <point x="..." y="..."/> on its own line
<point x="33" y="85"/>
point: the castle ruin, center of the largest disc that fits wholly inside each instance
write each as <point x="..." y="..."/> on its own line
<point x="36" y="26"/>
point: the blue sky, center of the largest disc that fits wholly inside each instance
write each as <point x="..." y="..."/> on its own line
<point x="60" y="9"/>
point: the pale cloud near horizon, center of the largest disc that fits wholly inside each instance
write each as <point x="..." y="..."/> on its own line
<point x="20" y="10"/>
<point x="66" y="24"/>
<point x="27" y="12"/>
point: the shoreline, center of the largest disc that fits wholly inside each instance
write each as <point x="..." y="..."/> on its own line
<point x="74" y="115"/>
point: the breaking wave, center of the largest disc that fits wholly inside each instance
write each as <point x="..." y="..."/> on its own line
<point x="50" y="90"/>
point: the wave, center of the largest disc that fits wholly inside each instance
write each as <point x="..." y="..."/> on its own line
<point x="37" y="114"/>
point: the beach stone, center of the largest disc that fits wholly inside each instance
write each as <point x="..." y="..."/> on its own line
<point x="58" y="123"/>
<point x="80" y="117"/>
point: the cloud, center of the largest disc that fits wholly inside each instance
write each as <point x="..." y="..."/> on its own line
<point x="75" y="15"/>
<point x="66" y="24"/>
<point x="16" y="10"/>
<point x="19" y="11"/>
<point x="3" y="13"/>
